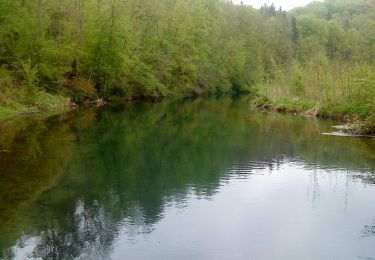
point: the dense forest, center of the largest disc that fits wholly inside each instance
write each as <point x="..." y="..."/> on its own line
<point x="318" y="58"/>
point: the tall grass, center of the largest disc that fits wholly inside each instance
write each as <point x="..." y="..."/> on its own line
<point x="335" y="89"/>
<point x="25" y="97"/>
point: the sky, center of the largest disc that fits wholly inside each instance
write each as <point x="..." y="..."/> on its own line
<point x="285" y="4"/>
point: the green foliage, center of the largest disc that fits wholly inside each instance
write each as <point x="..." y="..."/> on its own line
<point x="368" y="127"/>
<point x="143" y="49"/>
<point x="80" y="90"/>
<point x="298" y="80"/>
<point x="333" y="68"/>
<point x="30" y="83"/>
<point x="88" y="49"/>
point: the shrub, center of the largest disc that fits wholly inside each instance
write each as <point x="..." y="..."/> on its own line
<point x="80" y="90"/>
<point x="30" y="83"/>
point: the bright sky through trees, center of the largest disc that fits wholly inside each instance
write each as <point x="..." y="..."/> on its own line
<point x="285" y="4"/>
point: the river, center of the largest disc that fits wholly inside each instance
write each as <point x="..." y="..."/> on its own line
<point x="192" y="179"/>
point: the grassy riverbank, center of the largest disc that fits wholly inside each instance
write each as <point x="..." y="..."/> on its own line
<point x="317" y="59"/>
<point x="360" y="115"/>
<point x="13" y="104"/>
<point x="329" y="89"/>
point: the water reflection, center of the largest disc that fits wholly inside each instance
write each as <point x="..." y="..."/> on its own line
<point x="369" y="230"/>
<point x="143" y="180"/>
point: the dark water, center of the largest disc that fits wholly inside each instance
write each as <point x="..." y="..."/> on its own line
<point x="184" y="180"/>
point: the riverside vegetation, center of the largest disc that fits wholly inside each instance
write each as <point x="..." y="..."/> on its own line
<point x="318" y="59"/>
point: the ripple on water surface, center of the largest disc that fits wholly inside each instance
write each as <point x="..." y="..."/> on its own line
<point x="184" y="180"/>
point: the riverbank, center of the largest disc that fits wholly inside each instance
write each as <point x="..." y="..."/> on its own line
<point x="44" y="104"/>
<point x="360" y="119"/>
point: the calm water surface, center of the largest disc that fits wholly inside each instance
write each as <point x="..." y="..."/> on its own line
<point x="184" y="180"/>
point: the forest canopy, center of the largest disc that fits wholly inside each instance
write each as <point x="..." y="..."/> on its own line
<point x="88" y="49"/>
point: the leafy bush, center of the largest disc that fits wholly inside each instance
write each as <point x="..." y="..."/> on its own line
<point x="80" y="90"/>
<point x="30" y="83"/>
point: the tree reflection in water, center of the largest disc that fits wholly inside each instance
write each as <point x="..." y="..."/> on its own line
<point x="71" y="184"/>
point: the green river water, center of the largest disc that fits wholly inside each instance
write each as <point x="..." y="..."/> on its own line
<point x="194" y="179"/>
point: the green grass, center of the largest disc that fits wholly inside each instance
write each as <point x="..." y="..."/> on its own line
<point x="335" y="92"/>
<point x="6" y="112"/>
<point x="347" y="108"/>
<point x="359" y="112"/>
<point x="367" y="127"/>
<point x="283" y="104"/>
<point x="12" y="105"/>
